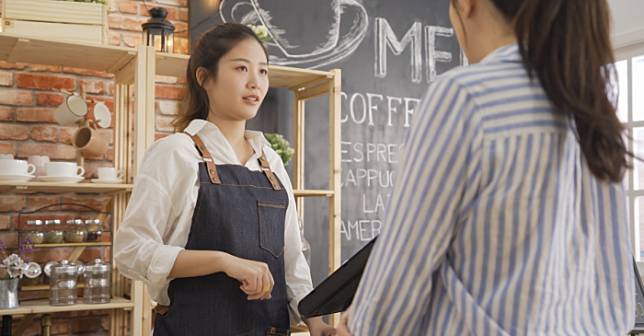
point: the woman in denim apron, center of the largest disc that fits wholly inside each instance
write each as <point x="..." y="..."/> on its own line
<point x="228" y="260"/>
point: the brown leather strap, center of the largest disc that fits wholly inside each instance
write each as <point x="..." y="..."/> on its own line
<point x="161" y="310"/>
<point x="269" y="173"/>
<point x="205" y="155"/>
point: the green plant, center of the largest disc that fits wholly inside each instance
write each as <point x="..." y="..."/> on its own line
<point x="281" y="146"/>
<point x="261" y="32"/>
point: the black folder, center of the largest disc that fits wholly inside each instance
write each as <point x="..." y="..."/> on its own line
<point x="639" y="303"/>
<point x="336" y="292"/>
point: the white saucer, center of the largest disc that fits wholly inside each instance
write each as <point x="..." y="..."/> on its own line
<point x="117" y="181"/>
<point x="16" y="178"/>
<point x="62" y="179"/>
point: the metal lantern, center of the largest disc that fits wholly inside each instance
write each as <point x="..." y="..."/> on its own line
<point x="158" y="31"/>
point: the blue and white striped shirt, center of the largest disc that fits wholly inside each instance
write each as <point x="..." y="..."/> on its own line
<point x="496" y="225"/>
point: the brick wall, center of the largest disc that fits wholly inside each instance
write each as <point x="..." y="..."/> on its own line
<point x="30" y="93"/>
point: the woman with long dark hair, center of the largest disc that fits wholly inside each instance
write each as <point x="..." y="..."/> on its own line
<point x="211" y="225"/>
<point x="508" y="216"/>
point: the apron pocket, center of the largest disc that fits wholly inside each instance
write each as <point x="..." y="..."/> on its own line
<point x="271" y="227"/>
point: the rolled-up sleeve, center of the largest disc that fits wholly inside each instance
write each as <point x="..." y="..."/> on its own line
<point x="139" y="249"/>
<point x="421" y="218"/>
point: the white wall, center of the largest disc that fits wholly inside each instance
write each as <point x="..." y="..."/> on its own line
<point x="628" y="21"/>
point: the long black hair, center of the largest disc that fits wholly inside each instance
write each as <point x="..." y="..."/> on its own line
<point x="567" y="45"/>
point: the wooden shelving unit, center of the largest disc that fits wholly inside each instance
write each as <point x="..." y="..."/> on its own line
<point x="48" y="187"/>
<point x="134" y="73"/>
<point x="314" y="193"/>
<point x="43" y="307"/>
<point x="128" y="66"/>
<point x="88" y="244"/>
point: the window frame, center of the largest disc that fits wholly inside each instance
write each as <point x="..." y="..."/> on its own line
<point x="628" y="53"/>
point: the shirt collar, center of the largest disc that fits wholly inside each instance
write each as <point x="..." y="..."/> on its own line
<point x="506" y="53"/>
<point x="210" y="132"/>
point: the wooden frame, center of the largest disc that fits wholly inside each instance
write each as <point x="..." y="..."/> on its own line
<point x="129" y="67"/>
<point x="72" y="21"/>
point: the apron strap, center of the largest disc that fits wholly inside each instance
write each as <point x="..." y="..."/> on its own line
<point x="210" y="163"/>
<point x="269" y="173"/>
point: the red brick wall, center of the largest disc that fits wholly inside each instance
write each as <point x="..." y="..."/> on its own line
<point x="28" y="96"/>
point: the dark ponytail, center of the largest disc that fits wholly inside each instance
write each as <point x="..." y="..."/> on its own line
<point x="567" y="45"/>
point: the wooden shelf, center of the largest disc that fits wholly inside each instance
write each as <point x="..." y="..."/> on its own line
<point x="313" y="193"/>
<point x="175" y="65"/>
<point x="16" y="48"/>
<point x="33" y="288"/>
<point x="88" y="244"/>
<point x="63" y="187"/>
<point x="43" y="307"/>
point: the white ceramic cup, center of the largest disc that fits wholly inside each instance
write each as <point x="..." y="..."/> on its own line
<point x="39" y="161"/>
<point x="64" y="169"/>
<point x="73" y="109"/>
<point x="16" y="167"/>
<point x="108" y="174"/>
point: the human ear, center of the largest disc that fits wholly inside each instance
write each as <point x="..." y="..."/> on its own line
<point x="466" y="7"/>
<point x="201" y="74"/>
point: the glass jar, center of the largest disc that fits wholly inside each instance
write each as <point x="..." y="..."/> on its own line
<point x="93" y="224"/>
<point x="97" y="277"/>
<point x="53" y="233"/>
<point x="34" y="237"/>
<point x="35" y="224"/>
<point x="75" y="232"/>
<point x="34" y="233"/>
<point x="94" y="229"/>
<point x="62" y="282"/>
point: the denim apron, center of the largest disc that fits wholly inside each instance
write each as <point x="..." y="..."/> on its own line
<point x="240" y="212"/>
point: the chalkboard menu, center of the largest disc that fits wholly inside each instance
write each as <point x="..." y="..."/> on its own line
<point x="389" y="52"/>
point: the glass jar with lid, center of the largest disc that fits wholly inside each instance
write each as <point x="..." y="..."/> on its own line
<point x="34" y="233"/>
<point x="94" y="229"/>
<point x="62" y="282"/>
<point x="75" y="231"/>
<point x="97" y="276"/>
<point x="34" y="224"/>
<point x="53" y="231"/>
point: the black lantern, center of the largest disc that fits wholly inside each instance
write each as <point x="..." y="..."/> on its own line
<point x="159" y="32"/>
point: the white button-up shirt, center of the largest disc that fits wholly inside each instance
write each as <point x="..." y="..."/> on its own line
<point x="159" y="214"/>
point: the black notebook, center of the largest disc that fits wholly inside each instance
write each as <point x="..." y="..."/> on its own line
<point x="336" y="292"/>
<point x="639" y="302"/>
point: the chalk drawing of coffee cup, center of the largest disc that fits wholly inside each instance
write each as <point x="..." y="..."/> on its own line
<point x="290" y="46"/>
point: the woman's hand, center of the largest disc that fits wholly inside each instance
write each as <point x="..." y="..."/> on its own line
<point x="343" y="326"/>
<point x="317" y="327"/>
<point x="255" y="277"/>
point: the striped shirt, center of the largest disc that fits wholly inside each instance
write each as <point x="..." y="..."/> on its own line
<point x="496" y="225"/>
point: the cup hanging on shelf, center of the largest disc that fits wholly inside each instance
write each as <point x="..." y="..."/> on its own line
<point x="71" y="111"/>
<point x="87" y="140"/>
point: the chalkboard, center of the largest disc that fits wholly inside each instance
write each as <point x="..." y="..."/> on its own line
<point x="389" y="52"/>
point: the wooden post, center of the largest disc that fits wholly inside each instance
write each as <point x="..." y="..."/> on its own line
<point x="335" y="183"/>
<point x="298" y="157"/>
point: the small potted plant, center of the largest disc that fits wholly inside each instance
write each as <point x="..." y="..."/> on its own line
<point x="281" y="146"/>
<point x="262" y="33"/>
